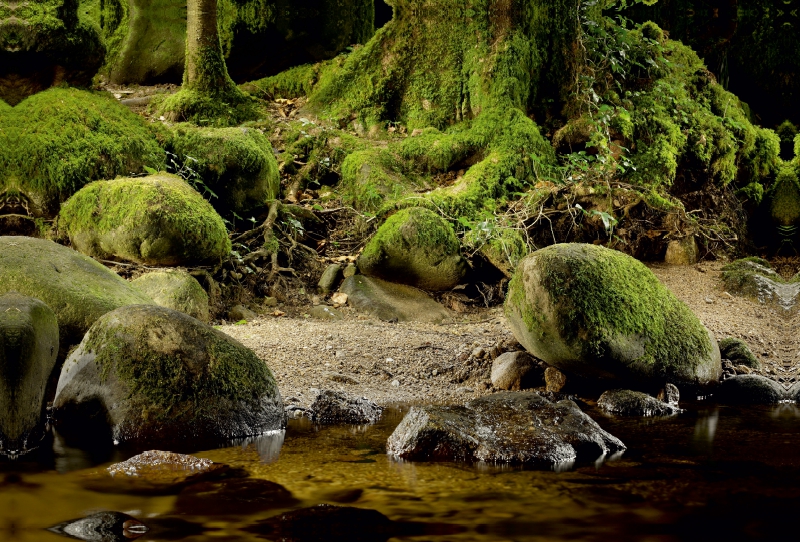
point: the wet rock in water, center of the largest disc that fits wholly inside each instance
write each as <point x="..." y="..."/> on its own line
<point x="323" y="312"/>
<point x="154" y="472"/>
<point x="599" y="313"/>
<point x="516" y="371"/>
<point x="154" y="220"/>
<point x="416" y="247"/>
<point x="327" y="523"/>
<point x="750" y="390"/>
<point x="670" y="394"/>
<point x="634" y="403"/>
<point x="334" y="407"/>
<point x="738" y="352"/>
<point x="176" y="290"/>
<point x="233" y="496"/>
<point x="240" y="312"/>
<point x="28" y="350"/>
<point x="506" y="427"/>
<point x="392" y="302"/>
<point x="102" y="527"/>
<point x="554" y="379"/>
<point x="77" y="288"/>
<point x="330" y="278"/>
<point x="157" y="376"/>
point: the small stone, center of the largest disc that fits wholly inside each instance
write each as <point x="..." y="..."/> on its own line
<point x="340" y="354"/>
<point x="709" y="300"/>
<point x="670" y="394"/>
<point x="342" y="379"/>
<point x="554" y="379"/>
<point x="478" y="353"/>
<point x="743" y="370"/>
<point x="396" y="383"/>
<point x="330" y="278"/>
<point x="350" y="270"/>
<point x="240" y="312"/>
<point x="515" y="371"/>
<point x="339" y="298"/>
<point x="323" y="312"/>
<point x="270" y="302"/>
<point x="435" y="372"/>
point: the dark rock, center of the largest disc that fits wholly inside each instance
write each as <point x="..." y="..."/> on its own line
<point x="28" y="350"/>
<point x="670" y="394"/>
<point x="102" y="527"/>
<point x="154" y="375"/>
<point x="153" y="472"/>
<point x="506" y="427"/>
<point x="516" y="371"/>
<point x="333" y="407"/>
<point x="327" y="523"/>
<point x="750" y="390"/>
<point x="233" y="496"/>
<point x="330" y="278"/>
<point x="634" y="403"/>
<point x="392" y="302"/>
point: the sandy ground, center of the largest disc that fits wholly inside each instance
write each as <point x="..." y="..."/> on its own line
<point x="451" y="363"/>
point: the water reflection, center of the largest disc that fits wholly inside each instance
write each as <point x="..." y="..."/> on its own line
<point x="704" y="431"/>
<point x="267" y="445"/>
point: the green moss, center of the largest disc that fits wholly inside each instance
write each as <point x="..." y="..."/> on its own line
<point x="176" y="290"/>
<point x="56" y="141"/>
<point x="785" y="196"/>
<point x="292" y="83"/>
<point x="739" y="276"/>
<point x="237" y="164"/>
<point x="223" y="107"/>
<point x="158" y="219"/>
<point x="753" y="192"/>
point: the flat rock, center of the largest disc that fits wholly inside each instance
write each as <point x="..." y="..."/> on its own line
<point x="634" y="403"/>
<point x="392" y="302"/>
<point x="506" y="427"/>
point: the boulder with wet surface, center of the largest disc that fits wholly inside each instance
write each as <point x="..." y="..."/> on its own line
<point x="149" y="374"/>
<point x="28" y="350"/>
<point x="598" y="313"/>
<point x="506" y="427"/>
<point x="77" y="288"/>
<point x="335" y="407"/>
<point x="750" y="390"/>
<point x="634" y="403"/>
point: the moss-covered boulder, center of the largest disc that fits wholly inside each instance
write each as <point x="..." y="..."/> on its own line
<point x="77" y="288"/>
<point x="416" y="247"/>
<point x="152" y="375"/>
<point x="237" y="164"/>
<point x="154" y="220"/>
<point x="28" y="350"/>
<point x="176" y="290"/>
<point x="599" y="313"/>
<point x="55" y="142"/>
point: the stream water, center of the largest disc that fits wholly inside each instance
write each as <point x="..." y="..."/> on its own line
<point x="708" y="473"/>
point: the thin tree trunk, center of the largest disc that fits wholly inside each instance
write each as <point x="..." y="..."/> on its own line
<point x="205" y="66"/>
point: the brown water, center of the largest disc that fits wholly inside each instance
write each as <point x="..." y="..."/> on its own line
<point x="709" y="473"/>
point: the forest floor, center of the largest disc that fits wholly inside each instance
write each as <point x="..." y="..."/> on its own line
<point x="451" y="363"/>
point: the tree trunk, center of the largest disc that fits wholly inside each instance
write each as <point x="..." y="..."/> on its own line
<point x="205" y="66"/>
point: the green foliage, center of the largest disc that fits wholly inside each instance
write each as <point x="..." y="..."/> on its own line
<point x="218" y="108"/>
<point x="785" y="196"/>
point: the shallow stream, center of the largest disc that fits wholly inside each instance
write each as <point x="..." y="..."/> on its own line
<point x="708" y="473"/>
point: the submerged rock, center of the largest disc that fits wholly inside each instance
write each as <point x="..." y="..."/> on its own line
<point x="327" y="522"/>
<point x="599" y="313"/>
<point x="102" y="527"/>
<point x="176" y="290"/>
<point x="154" y="220"/>
<point x="233" y="496"/>
<point x="634" y="403"/>
<point x="333" y="407"/>
<point x="155" y="375"/>
<point x="504" y="427"/>
<point x="154" y="472"/>
<point x="77" y="288"/>
<point x="392" y="302"/>
<point x="416" y="247"/>
<point x="750" y="390"/>
<point x="28" y="350"/>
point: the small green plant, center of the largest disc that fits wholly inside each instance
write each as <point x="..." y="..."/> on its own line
<point x="185" y="169"/>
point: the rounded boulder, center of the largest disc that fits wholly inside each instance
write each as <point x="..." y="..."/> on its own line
<point x="599" y="313"/>
<point x="176" y="290"/>
<point x="416" y="247"/>
<point x="148" y="374"/>
<point x="154" y="220"/>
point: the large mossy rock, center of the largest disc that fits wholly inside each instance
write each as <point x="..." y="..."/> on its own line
<point x="237" y="164"/>
<point x="28" y="350"/>
<point x="176" y="290"/>
<point x="416" y="247"/>
<point x="506" y="427"/>
<point x="56" y="141"/>
<point x="596" y="312"/>
<point x="157" y="376"/>
<point x="154" y="220"/>
<point x="77" y="288"/>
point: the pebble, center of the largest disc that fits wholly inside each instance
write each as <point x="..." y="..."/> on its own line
<point x="396" y="383"/>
